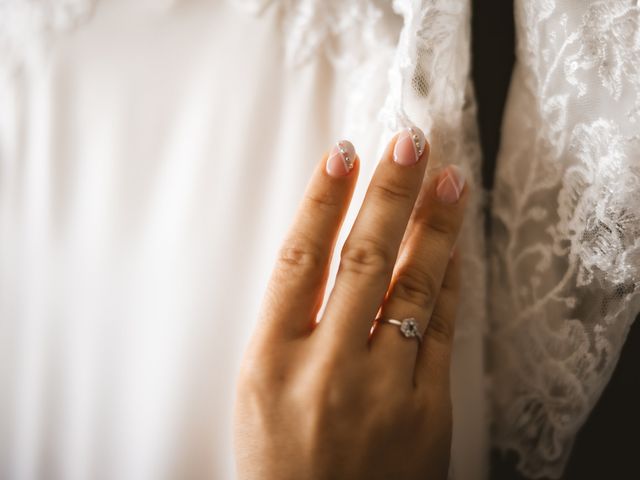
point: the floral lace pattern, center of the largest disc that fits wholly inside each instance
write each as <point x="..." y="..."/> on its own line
<point x="345" y="32"/>
<point x="565" y="245"/>
<point x="609" y="36"/>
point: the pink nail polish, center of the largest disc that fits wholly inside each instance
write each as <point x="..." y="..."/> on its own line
<point x="450" y="185"/>
<point x="409" y="146"/>
<point x="341" y="159"/>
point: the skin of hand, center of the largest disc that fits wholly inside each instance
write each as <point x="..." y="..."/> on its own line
<point x="336" y="398"/>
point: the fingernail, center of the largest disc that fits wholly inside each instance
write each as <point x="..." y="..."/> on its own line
<point x="341" y="158"/>
<point x="450" y="185"/>
<point x="409" y="146"/>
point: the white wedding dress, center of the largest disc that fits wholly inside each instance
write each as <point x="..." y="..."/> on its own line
<point x="152" y="154"/>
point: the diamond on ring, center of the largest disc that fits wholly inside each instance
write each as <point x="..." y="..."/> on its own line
<point x="408" y="327"/>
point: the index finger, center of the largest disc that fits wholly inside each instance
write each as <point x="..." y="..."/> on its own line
<point x="296" y="287"/>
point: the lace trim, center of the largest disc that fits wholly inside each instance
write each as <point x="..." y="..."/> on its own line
<point x="566" y="243"/>
<point x="429" y="86"/>
<point x="346" y="32"/>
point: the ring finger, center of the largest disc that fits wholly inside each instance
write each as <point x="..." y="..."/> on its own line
<point x="421" y="266"/>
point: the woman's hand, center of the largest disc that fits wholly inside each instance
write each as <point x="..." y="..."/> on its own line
<point x="334" y="400"/>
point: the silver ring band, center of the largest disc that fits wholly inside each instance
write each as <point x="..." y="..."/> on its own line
<point x="408" y="327"/>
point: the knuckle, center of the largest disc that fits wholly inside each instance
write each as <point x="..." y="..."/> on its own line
<point x="332" y="396"/>
<point x="393" y="192"/>
<point x="417" y="287"/>
<point x="329" y="396"/>
<point x="444" y="227"/>
<point x="384" y="380"/>
<point x="441" y="328"/>
<point x="366" y="256"/>
<point x="322" y="200"/>
<point x="300" y="256"/>
<point x="261" y="389"/>
<point x="254" y="379"/>
<point x="442" y="224"/>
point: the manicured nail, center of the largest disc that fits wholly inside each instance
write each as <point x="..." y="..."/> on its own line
<point x="450" y="185"/>
<point x="409" y="146"/>
<point x="341" y="158"/>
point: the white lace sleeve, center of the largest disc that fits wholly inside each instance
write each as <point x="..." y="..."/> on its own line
<point x="566" y="226"/>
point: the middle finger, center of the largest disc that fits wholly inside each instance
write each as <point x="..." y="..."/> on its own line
<point x="369" y="252"/>
<point x="419" y="272"/>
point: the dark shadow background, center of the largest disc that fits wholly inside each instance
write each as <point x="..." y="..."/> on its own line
<point x="607" y="446"/>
